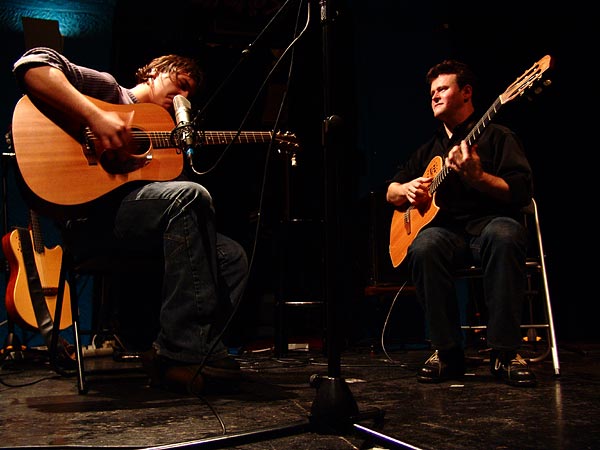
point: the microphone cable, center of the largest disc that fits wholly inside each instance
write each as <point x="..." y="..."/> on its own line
<point x="253" y="103"/>
<point x="227" y="323"/>
<point x="245" y="54"/>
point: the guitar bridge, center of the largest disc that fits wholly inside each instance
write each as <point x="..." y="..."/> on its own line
<point x="88" y="147"/>
<point x="407" y="226"/>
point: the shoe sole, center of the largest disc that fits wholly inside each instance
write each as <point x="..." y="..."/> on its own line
<point x="422" y="379"/>
<point x="429" y="380"/>
<point x="516" y="383"/>
<point x="522" y="383"/>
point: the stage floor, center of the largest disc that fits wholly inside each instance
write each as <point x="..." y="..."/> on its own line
<point x="374" y="402"/>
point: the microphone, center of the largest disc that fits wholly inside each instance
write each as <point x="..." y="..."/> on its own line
<point x="183" y="134"/>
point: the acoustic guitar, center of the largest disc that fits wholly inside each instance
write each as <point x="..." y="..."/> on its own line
<point x="406" y="223"/>
<point x="19" y="303"/>
<point x="64" y="164"/>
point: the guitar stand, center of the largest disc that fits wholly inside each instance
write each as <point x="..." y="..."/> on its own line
<point x="12" y="349"/>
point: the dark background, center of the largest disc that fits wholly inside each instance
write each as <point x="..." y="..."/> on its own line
<point x="376" y="60"/>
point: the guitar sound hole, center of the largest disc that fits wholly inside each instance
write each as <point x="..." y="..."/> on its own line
<point x="141" y="142"/>
<point x="127" y="159"/>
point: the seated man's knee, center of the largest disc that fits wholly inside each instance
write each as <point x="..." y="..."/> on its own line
<point x="504" y="231"/>
<point x="426" y="242"/>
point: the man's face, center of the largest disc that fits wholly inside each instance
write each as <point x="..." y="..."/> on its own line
<point x="166" y="86"/>
<point x="446" y="96"/>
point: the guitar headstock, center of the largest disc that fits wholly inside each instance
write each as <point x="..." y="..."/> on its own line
<point x="287" y="141"/>
<point x="525" y="81"/>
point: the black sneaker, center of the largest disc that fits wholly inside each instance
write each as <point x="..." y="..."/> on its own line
<point x="442" y="366"/>
<point x="512" y="369"/>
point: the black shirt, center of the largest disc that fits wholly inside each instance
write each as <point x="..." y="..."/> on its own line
<point x="462" y="207"/>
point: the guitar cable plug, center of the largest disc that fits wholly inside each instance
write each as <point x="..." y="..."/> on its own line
<point x="106" y="349"/>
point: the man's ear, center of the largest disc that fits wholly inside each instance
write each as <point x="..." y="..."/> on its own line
<point x="467" y="91"/>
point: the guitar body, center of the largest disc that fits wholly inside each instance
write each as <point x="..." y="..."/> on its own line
<point x="58" y="167"/>
<point x="407" y="223"/>
<point x="64" y="165"/>
<point x="19" y="303"/>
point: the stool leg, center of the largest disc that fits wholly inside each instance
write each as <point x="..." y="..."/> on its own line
<point x="81" y="384"/>
<point x="280" y="344"/>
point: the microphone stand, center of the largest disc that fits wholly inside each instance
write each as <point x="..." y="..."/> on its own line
<point x="334" y="409"/>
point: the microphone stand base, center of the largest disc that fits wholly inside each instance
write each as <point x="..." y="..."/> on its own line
<point x="334" y="409"/>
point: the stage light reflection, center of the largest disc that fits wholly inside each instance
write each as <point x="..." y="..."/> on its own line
<point x="76" y="18"/>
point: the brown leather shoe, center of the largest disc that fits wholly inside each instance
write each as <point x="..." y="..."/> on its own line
<point x="183" y="379"/>
<point x="225" y="368"/>
<point x="186" y="377"/>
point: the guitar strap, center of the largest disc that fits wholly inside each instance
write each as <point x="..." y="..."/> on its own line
<point x="40" y="307"/>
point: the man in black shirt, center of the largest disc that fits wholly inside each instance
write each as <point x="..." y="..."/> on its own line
<point x="474" y="219"/>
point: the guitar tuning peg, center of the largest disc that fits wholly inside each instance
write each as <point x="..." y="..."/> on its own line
<point x="539" y="88"/>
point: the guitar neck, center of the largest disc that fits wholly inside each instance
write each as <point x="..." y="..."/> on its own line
<point x="36" y="232"/>
<point x="483" y="122"/>
<point x="162" y="139"/>
<point x="244" y="137"/>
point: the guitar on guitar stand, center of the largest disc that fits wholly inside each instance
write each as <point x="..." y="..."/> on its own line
<point x="32" y="274"/>
<point x="26" y="252"/>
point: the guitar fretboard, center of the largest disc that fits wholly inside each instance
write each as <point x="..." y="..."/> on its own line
<point x="225" y="137"/>
<point x="162" y="139"/>
<point x="483" y="122"/>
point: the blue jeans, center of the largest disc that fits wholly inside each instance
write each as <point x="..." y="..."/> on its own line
<point x="434" y="256"/>
<point x="205" y="272"/>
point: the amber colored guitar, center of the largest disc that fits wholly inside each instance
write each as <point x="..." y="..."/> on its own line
<point x="406" y="223"/>
<point x="19" y="304"/>
<point x="65" y="165"/>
